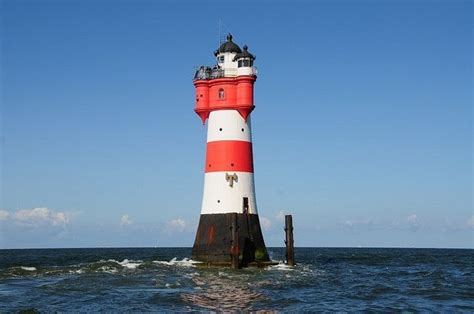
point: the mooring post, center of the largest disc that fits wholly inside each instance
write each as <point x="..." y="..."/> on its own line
<point x="234" y="248"/>
<point x="290" y="252"/>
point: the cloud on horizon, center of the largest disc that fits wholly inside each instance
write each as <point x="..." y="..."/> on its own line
<point x="36" y="217"/>
<point x="470" y="222"/>
<point x="176" y="225"/>
<point x="125" y="220"/>
<point x="280" y="216"/>
<point x="410" y="222"/>
<point x="266" y="223"/>
<point x="4" y="214"/>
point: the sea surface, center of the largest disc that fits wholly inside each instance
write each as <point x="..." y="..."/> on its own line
<point x="166" y="279"/>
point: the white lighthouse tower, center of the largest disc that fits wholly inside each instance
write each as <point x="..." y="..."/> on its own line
<point x="224" y="96"/>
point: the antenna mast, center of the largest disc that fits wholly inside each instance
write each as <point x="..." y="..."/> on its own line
<point x="220" y="36"/>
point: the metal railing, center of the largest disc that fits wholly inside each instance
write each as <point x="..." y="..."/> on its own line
<point x="208" y="73"/>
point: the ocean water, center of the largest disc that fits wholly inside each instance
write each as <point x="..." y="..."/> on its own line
<point x="165" y="279"/>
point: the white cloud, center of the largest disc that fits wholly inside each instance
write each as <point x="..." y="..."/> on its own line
<point x="35" y="214"/>
<point x="412" y="218"/>
<point x="348" y="223"/>
<point x="413" y="222"/>
<point x="125" y="220"/>
<point x="59" y="219"/>
<point x="266" y="223"/>
<point x="177" y="224"/>
<point x="280" y="216"/>
<point x="4" y="214"/>
<point x="470" y="222"/>
<point x="41" y="215"/>
<point x="368" y="222"/>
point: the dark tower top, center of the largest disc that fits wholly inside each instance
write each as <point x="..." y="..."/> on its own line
<point x="244" y="54"/>
<point x="228" y="46"/>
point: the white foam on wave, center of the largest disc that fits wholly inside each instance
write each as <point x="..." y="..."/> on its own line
<point x="185" y="262"/>
<point x="28" y="268"/>
<point x="130" y="264"/>
<point x="77" y="271"/>
<point x="126" y="263"/>
<point x="281" y="266"/>
<point x="107" y="269"/>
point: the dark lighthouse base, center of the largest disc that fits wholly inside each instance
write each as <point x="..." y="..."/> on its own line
<point x="213" y="244"/>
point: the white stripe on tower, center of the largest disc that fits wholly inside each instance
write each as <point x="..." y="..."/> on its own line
<point x="227" y="125"/>
<point x="229" y="153"/>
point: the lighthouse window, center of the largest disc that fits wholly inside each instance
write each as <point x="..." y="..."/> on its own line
<point x="221" y="94"/>
<point x="221" y="59"/>
<point x="245" y="63"/>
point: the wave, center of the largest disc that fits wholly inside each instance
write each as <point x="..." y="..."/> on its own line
<point x="130" y="264"/>
<point x="185" y="262"/>
<point x="281" y="266"/>
<point x="110" y="266"/>
<point x="28" y="268"/>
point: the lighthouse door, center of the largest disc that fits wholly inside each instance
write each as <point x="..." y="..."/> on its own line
<point x="245" y="205"/>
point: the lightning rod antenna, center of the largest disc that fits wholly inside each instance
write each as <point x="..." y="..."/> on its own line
<point x="220" y="29"/>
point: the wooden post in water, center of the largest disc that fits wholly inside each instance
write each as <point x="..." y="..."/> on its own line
<point x="290" y="252"/>
<point x="234" y="248"/>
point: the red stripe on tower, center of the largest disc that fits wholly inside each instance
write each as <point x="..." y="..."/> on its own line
<point x="229" y="156"/>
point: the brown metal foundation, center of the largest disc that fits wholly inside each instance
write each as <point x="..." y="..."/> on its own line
<point x="214" y="243"/>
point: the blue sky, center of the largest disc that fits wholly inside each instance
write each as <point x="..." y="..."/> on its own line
<point x="363" y="125"/>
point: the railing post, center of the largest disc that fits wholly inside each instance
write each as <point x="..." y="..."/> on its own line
<point x="290" y="252"/>
<point x="234" y="248"/>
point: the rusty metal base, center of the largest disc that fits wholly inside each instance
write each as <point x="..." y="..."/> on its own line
<point x="213" y="240"/>
<point x="251" y="264"/>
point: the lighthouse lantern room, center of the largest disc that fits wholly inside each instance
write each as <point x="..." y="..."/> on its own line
<point x="224" y="97"/>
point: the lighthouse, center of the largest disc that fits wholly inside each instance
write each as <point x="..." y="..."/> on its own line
<point x="229" y="223"/>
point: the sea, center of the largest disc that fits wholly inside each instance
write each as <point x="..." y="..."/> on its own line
<point x="168" y="280"/>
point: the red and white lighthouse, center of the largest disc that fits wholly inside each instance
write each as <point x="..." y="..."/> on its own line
<point x="224" y="97"/>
